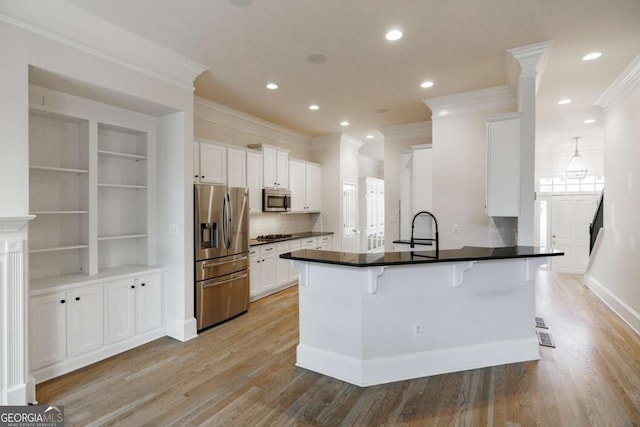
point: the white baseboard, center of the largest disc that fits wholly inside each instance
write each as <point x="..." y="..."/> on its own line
<point x="622" y="309"/>
<point x="272" y="291"/>
<point x="16" y="396"/>
<point x="364" y="373"/>
<point x="73" y="363"/>
<point x="182" y="330"/>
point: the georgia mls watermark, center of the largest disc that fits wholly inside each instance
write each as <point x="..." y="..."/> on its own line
<point x="32" y="416"/>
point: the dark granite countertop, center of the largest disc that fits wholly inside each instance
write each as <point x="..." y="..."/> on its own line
<point x="294" y="236"/>
<point x="466" y="253"/>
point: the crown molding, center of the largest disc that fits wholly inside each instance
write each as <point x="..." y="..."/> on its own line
<point x="493" y="98"/>
<point x="65" y="23"/>
<point x="527" y="61"/>
<point x="622" y="85"/>
<point x="350" y="142"/>
<point x="418" y="131"/>
<point x="222" y="115"/>
<point x="9" y="224"/>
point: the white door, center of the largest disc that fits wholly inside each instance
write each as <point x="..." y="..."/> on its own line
<point x="313" y="190"/>
<point x="297" y="172"/>
<point x="236" y="168"/>
<point x="254" y="181"/>
<point x="570" y="219"/>
<point x="213" y="163"/>
<point x="149" y="302"/>
<point x="85" y="320"/>
<point x="48" y="329"/>
<point x="120" y="310"/>
<point x="349" y="218"/>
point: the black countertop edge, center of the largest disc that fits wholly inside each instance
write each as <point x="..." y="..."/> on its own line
<point x="383" y="259"/>
<point x="408" y="242"/>
<point x="294" y="236"/>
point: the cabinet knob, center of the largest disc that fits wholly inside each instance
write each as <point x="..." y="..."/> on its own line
<point x="201" y="176"/>
<point x="143" y="284"/>
<point x="62" y="301"/>
<point x="195" y="176"/>
<point x="77" y="298"/>
<point x="133" y="286"/>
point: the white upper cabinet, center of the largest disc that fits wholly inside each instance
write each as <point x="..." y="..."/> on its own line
<point x="305" y="183"/>
<point x="503" y="165"/>
<point x="254" y="181"/>
<point x="196" y="161"/>
<point x="236" y="168"/>
<point x="275" y="164"/>
<point x="213" y="163"/>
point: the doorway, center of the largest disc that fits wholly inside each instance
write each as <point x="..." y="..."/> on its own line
<point x="567" y="229"/>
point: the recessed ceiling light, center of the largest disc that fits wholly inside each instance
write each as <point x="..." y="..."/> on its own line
<point x="382" y="110"/>
<point x="272" y="86"/>
<point x="369" y="137"/>
<point x="313" y="107"/>
<point x="443" y="113"/>
<point x="426" y="84"/>
<point x="241" y="3"/>
<point x="344" y="123"/>
<point x="564" y="101"/>
<point x="591" y="56"/>
<point x="589" y="121"/>
<point x="317" y="58"/>
<point x="394" y="35"/>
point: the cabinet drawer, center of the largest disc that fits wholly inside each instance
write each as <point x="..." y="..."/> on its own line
<point x="324" y="239"/>
<point x="294" y="245"/>
<point x="283" y="246"/>
<point x="268" y="249"/>
<point x="309" y="242"/>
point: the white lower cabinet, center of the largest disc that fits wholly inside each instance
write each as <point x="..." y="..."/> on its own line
<point x="75" y="327"/>
<point x="270" y="273"/>
<point x="262" y="270"/>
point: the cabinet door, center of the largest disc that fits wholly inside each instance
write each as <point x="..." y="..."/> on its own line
<point x="503" y="166"/>
<point x="121" y="309"/>
<point x="85" y="320"/>
<point x="254" y="182"/>
<point x="282" y="169"/>
<point x="297" y="186"/>
<point x="148" y="302"/>
<point x="255" y="286"/>
<point x="48" y="329"/>
<point x="313" y="188"/>
<point x="196" y="161"/>
<point x="268" y="269"/>
<point x="283" y="270"/>
<point x="236" y="168"/>
<point x="270" y="179"/>
<point x="213" y="163"/>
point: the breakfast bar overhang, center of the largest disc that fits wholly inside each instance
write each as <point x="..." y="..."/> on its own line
<point x="375" y="318"/>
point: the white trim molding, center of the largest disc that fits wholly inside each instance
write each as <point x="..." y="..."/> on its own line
<point x="9" y="224"/>
<point x="13" y="368"/>
<point x="622" y="85"/>
<point x="527" y="61"/>
<point x="210" y="111"/>
<point x="420" y="132"/>
<point x="341" y="139"/>
<point x="493" y="98"/>
<point x="75" y="27"/>
<point x="622" y="309"/>
<point x="350" y="142"/>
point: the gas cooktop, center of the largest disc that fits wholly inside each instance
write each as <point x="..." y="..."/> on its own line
<point x="273" y="236"/>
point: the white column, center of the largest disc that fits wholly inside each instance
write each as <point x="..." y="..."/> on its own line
<point x="13" y="372"/>
<point x="524" y="68"/>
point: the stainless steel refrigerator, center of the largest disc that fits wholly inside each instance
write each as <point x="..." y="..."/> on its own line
<point x="221" y="253"/>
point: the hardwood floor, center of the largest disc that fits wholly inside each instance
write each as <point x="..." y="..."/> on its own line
<point x="242" y="373"/>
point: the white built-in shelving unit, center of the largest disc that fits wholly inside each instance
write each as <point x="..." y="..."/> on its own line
<point x="94" y="288"/>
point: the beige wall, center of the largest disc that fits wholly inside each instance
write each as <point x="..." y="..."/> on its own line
<point x="459" y="182"/>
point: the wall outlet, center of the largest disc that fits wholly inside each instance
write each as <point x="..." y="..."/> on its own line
<point x="173" y="229"/>
<point x="417" y="329"/>
<point x="456" y="228"/>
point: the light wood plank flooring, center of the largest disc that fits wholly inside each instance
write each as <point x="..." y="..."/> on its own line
<point x="242" y="373"/>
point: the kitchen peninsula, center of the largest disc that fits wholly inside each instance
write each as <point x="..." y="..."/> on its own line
<point x="375" y="318"/>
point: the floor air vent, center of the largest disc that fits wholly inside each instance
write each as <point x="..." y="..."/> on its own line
<point x="544" y="338"/>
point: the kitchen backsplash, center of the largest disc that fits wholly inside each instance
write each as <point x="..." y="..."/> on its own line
<point x="270" y="223"/>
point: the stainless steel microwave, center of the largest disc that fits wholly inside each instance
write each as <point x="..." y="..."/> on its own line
<point x="276" y="200"/>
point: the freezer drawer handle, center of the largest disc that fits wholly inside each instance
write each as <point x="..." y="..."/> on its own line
<point x="224" y="281"/>
<point x="215" y="264"/>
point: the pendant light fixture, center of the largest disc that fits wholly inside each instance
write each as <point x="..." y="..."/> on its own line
<point x="576" y="169"/>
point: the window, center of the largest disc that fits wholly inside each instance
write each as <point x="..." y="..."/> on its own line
<point x="561" y="184"/>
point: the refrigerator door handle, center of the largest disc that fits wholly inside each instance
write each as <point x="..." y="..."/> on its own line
<point x="229" y="220"/>
<point x="224" y="221"/>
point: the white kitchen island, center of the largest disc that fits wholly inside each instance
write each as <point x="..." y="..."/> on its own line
<point x="369" y="319"/>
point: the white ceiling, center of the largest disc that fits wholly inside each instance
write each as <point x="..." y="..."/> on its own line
<point x="459" y="44"/>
